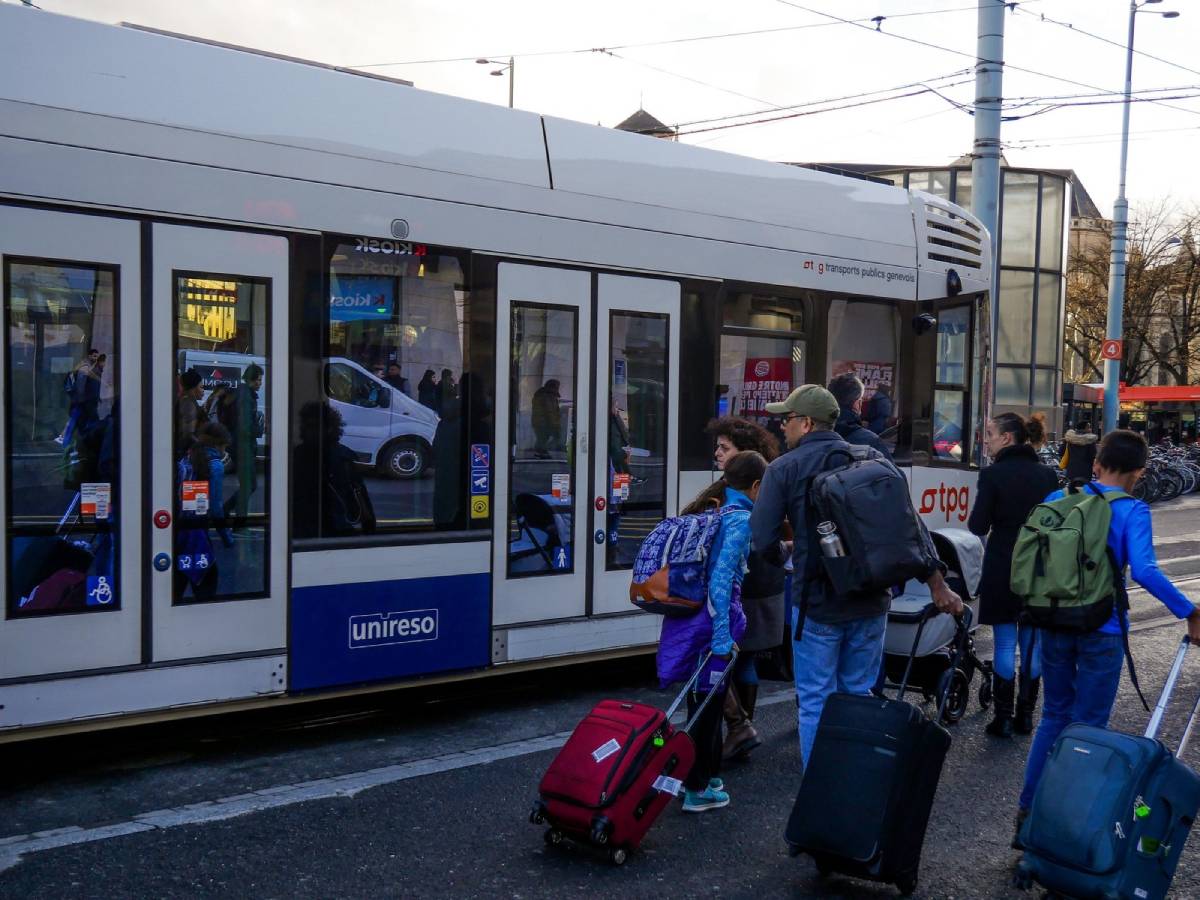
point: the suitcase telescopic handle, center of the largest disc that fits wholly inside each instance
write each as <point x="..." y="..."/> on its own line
<point x="1164" y="698"/>
<point x="678" y="701"/>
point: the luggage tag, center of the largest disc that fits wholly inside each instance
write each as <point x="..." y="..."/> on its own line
<point x="665" y="784"/>
<point x="605" y="750"/>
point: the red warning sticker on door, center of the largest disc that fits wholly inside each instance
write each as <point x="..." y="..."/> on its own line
<point x="195" y="497"/>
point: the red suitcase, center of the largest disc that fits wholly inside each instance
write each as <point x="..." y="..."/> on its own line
<point x="618" y="771"/>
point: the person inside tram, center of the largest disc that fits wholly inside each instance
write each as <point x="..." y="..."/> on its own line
<point x="74" y="387"/>
<point x="684" y="642"/>
<point x="189" y="414"/>
<point x="342" y="507"/>
<point x="546" y="419"/>
<point x="395" y="379"/>
<point x="248" y="426"/>
<point x="427" y="390"/>
<point x="201" y="471"/>
<point x="878" y="412"/>
<point x="762" y="595"/>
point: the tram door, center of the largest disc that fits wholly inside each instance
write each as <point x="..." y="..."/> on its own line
<point x="218" y="404"/>
<point x="586" y="437"/>
<point x="70" y="433"/>
<point x="635" y="477"/>
<point x="543" y="444"/>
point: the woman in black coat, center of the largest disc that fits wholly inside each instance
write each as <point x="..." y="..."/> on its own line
<point x="1009" y="489"/>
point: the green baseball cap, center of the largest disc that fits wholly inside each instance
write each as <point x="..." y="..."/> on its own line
<point x="810" y="400"/>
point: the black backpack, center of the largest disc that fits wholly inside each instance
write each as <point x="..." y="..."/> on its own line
<point x="867" y="498"/>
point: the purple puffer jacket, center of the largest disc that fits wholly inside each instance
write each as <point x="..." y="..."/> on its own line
<point x="684" y="641"/>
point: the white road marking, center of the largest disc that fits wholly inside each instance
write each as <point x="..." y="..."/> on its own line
<point x="14" y="847"/>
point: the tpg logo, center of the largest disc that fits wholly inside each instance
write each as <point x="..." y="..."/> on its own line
<point x="949" y="500"/>
<point x="380" y="630"/>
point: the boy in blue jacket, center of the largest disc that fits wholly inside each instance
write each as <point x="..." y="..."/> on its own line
<point x="1081" y="672"/>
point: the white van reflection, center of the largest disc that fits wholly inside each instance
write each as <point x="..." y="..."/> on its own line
<point x="384" y="427"/>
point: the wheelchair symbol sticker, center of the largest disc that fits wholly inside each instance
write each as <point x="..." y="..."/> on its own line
<point x="561" y="558"/>
<point x="99" y="591"/>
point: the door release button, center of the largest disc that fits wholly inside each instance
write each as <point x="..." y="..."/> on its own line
<point x="162" y="519"/>
<point x="162" y="562"/>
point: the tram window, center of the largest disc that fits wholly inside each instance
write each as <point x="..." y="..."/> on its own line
<point x="947" y="425"/>
<point x="60" y="417"/>
<point x="949" y="400"/>
<point x="756" y="371"/>
<point x="637" y="432"/>
<point x="390" y="439"/>
<point x="864" y="338"/>
<point x="222" y="448"/>
<point x="542" y="426"/>
<point x="762" y="354"/>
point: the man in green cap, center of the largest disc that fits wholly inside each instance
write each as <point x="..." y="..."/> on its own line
<point x="840" y="647"/>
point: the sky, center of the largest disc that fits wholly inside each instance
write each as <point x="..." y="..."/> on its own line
<point x="574" y="59"/>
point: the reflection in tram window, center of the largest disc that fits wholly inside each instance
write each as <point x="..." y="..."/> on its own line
<point x="637" y="432"/>
<point x="397" y="321"/>
<point x="949" y="437"/>
<point x="60" y="414"/>
<point x="864" y="338"/>
<point x="762" y="354"/>
<point x="222" y="450"/>
<point x="542" y="432"/>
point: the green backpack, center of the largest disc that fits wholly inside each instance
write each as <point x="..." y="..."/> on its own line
<point x="1061" y="566"/>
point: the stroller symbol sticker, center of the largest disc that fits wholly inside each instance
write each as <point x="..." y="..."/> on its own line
<point x="562" y="559"/>
<point x="100" y="592"/>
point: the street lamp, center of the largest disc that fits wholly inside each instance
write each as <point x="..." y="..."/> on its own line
<point x="511" y="68"/>
<point x="1116" y="265"/>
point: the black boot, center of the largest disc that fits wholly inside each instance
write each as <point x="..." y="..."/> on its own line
<point x="1002" y="698"/>
<point x="1027" y="699"/>
<point x="1022" y="815"/>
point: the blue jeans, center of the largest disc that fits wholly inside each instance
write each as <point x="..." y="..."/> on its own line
<point x="844" y="658"/>
<point x="744" y="670"/>
<point x="1080" y="673"/>
<point x="1007" y="638"/>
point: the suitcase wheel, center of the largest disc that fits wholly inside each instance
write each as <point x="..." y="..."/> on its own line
<point x="906" y="885"/>
<point x="553" y="837"/>
<point x="617" y="856"/>
<point x="537" y="815"/>
<point x="1022" y="878"/>
<point x="793" y="849"/>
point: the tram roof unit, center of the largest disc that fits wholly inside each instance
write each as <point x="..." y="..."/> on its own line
<point x="149" y="101"/>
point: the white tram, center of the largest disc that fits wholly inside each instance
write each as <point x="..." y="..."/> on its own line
<point x="450" y="363"/>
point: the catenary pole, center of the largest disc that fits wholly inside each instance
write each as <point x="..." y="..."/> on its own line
<point x="1116" y="263"/>
<point x="985" y="155"/>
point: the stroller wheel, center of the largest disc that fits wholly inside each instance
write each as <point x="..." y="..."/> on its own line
<point x="954" y="692"/>
<point x="985" y="692"/>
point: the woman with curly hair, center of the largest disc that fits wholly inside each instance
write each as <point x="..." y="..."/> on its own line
<point x="762" y="591"/>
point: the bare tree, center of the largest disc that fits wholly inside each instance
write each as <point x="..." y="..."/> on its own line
<point x="1162" y="296"/>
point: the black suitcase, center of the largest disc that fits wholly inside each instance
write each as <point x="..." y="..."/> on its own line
<point x="868" y="790"/>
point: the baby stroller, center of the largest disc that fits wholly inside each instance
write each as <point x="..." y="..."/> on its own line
<point x="945" y="661"/>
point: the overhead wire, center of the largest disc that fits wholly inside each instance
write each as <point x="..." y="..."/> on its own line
<point x="1071" y="27"/>
<point x="963" y="53"/>
<point x="662" y="43"/>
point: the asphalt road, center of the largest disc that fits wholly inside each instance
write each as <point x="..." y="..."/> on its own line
<point x="427" y="794"/>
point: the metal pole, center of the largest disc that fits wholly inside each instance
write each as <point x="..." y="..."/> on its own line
<point x="1116" y="265"/>
<point x="985" y="166"/>
<point x="512" y="74"/>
